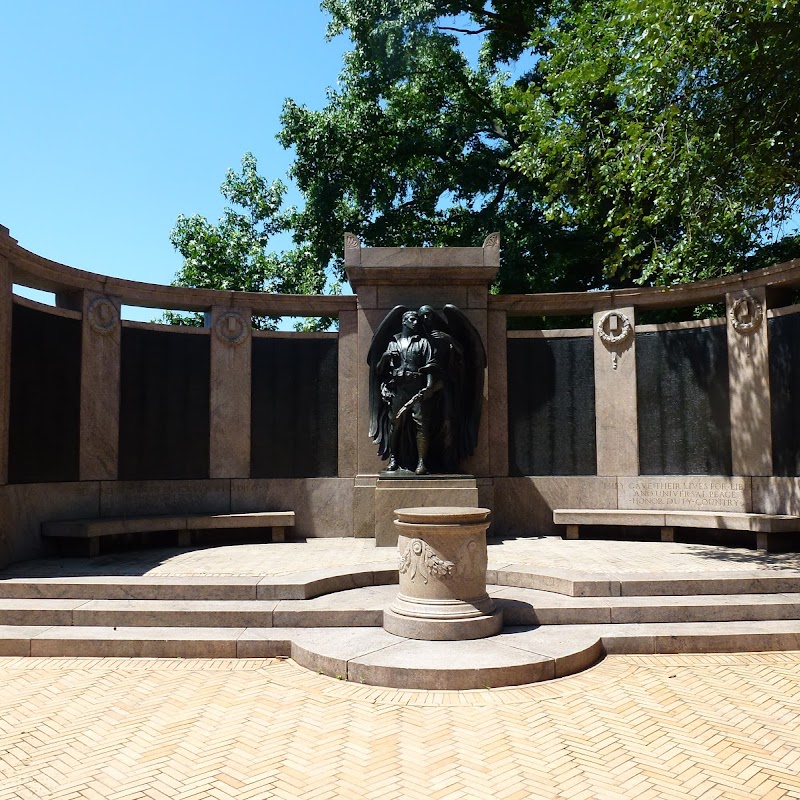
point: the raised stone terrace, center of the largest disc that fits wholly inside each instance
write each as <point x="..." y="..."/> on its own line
<point x="567" y="604"/>
<point x="635" y="719"/>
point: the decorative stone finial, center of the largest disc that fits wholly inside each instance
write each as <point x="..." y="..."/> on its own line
<point x="351" y="242"/>
<point x="492" y="240"/>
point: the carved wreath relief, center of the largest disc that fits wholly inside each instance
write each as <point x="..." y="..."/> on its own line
<point x="746" y="314"/>
<point x="419" y="558"/>
<point x="613" y="328"/>
<point x="231" y="328"/>
<point x="103" y="315"/>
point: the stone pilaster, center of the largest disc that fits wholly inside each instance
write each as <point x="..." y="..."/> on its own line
<point x="348" y="394"/>
<point x="616" y="413"/>
<point x="5" y="364"/>
<point x="497" y="355"/>
<point x="100" y="364"/>
<point x="748" y="379"/>
<point x="231" y="365"/>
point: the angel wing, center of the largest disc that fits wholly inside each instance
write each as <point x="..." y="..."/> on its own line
<point x="467" y="378"/>
<point x="379" y="422"/>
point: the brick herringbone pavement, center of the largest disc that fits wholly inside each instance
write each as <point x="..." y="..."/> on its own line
<point x="721" y="726"/>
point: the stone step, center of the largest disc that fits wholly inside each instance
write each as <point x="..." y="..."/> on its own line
<point x="294" y="586"/>
<point x="314" y="583"/>
<point x="532" y="607"/>
<point x="364" y="607"/>
<point x="373" y="656"/>
<point x="356" y="608"/>
<point x="579" y="583"/>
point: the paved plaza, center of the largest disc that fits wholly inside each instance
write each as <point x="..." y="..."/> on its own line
<point x="722" y="726"/>
<point x="633" y="726"/>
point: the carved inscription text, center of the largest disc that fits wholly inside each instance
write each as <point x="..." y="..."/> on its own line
<point x="695" y="493"/>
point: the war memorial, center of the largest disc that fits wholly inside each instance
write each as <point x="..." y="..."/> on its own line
<point x="426" y="421"/>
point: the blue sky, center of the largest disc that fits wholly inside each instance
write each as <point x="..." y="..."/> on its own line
<point x="118" y="116"/>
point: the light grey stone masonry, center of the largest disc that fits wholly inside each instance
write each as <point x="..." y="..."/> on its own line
<point x="617" y="421"/>
<point x="748" y="378"/>
<point x="231" y="359"/>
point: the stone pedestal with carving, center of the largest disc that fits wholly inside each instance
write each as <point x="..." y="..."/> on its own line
<point x="442" y="576"/>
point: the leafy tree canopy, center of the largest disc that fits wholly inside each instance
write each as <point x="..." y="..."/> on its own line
<point x="412" y="147"/>
<point x="235" y="253"/>
<point x="641" y="140"/>
<point x="672" y="125"/>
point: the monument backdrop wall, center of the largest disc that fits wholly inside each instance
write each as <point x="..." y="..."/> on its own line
<point x="104" y="417"/>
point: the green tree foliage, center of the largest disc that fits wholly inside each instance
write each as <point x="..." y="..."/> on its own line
<point x="641" y="140"/>
<point x="235" y="253"/>
<point x="673" y="125"/>
<point x="412" y="146"/>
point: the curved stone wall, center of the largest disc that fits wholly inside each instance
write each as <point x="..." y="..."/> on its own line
<point x="101" y="417"/>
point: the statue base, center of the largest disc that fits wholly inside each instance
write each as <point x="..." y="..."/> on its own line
<point x="410" y="490"/>
<point x="403" y="474"/>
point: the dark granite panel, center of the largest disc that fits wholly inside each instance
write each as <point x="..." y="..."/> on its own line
<point x="45" y="397"/>
<point x="684" y="402"/>
<point x="784" y="384"/>
<point x="294" y="408"/>
<point x="164" y="405"/>
<point x="551" y="417"/>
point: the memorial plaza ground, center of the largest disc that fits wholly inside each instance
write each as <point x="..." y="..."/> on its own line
<point x="723" y="725"/>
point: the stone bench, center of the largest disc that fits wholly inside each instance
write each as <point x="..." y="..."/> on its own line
<point x="92" y="530"/>
<point x="763" y="525"/>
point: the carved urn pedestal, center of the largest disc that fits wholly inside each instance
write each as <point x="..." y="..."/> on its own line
<point x="442" y="576"/>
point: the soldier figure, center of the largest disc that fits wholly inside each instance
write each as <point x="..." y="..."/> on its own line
<point x="407" y="370"/>
<point x="426" y="389"/>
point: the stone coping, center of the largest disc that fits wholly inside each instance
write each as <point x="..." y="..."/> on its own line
<point x="478" y="265"/>
<point x="37" y="272"/>
<point x="56" y="311"/>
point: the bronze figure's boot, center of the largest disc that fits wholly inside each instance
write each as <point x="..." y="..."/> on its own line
<point x="422" y="452"/>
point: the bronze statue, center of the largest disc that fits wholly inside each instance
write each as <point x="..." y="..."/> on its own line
<point x="426" y="389"/>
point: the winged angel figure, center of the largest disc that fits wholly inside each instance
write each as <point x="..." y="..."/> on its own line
<point x="426" y="389"/>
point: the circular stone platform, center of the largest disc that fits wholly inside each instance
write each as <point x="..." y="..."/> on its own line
<point x="515" y="657"/>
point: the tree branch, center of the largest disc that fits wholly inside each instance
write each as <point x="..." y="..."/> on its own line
<point x="464" y="30"/>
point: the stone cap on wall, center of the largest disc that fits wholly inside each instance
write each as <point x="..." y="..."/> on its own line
<point x="36" y="272"/>
<point x="421" y="266"/>
<point x="713" y="290"/>
<point x="397" y="266"/>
